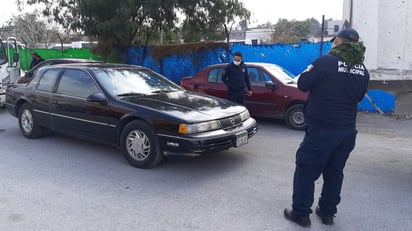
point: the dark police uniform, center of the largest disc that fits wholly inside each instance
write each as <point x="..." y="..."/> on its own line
<point x="236" y="79"/>
<point x="330" y="134"/>
<point x="34" y="62"/>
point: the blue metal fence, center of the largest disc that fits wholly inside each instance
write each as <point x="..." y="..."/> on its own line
<point x="293" y="57"/>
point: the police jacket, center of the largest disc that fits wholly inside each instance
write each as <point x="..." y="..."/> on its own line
<point x="34" y="62"/>
<point x="236" y="77"/>
<point x="334" y="92"/>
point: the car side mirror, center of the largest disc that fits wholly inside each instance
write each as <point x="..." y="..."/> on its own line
<point x="270" y="84"/>
<point x="97" y="97"/>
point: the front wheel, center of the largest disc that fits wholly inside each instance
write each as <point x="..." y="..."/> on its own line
<point x="294" y="117"/>
<point x="140" y="145"/>
<point x="27" y="123"/>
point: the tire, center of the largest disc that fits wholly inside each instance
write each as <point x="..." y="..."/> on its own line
<point x="27" y="122"/>
<point x="294" y="117"/>
<point x="140" y="145"/>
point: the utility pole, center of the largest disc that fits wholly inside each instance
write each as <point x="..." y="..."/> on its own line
<point x="321" y="35"/>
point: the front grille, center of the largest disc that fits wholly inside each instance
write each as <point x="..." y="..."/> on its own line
<point x="230" y="122"/>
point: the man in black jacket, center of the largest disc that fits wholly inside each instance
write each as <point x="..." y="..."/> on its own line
<point x="236" y="79"/>
<point x="336" y="83"/>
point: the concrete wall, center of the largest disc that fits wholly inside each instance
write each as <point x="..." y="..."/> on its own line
<point x="385" y="26"/>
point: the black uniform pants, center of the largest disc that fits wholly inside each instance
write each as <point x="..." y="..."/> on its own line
<point x="321" y="152"/>
<point x="237" y="96"/>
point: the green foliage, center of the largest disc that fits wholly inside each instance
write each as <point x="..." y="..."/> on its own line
<point x="207" y="19"/>
<point x="160" y="52"/>
<point x="292" y="31"/>
<point x="140" y="22"/>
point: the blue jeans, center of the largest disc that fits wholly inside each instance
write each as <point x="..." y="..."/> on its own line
<point x="321" y="152"/>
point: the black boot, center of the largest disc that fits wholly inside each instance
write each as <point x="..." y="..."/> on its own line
<point x="302" y="221"/>
<point x="326" y="220"/>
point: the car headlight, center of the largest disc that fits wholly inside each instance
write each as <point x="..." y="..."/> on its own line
<point x="245" y="115"/>
<point x="198" y="127"/>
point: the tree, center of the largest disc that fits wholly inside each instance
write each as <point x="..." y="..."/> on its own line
<point x="212" y="19"/>
<point x="293" y="31"/>
<point x="267" y="25"/>
<point x="33" y="31"/>
<point x="126" y="22"/>
<point x="316" y="28"/>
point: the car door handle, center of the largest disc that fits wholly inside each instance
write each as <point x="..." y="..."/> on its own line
<point x="55" y="102"/>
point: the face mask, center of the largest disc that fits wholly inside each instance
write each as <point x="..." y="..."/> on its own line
<point x="237" y="63"/>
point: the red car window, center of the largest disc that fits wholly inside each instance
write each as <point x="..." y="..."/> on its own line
<point x="215" y="75"/>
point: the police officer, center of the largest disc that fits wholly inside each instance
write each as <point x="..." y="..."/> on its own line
<point x="236" y="79"/>
<point x="336" y="83"/>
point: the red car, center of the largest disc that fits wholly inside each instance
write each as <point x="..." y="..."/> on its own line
<point x="275" y="92"/>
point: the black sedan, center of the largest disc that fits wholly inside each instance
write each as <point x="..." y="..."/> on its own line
<point x="138" y="110"/>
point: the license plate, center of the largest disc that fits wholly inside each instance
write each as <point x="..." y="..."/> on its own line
<point x="241" y="139"/>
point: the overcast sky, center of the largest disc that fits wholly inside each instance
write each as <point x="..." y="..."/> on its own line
<point x="262" y="10"/>
<point x="271" y="10"/>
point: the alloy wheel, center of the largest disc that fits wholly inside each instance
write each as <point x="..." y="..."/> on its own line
<point x="138" y="145"/>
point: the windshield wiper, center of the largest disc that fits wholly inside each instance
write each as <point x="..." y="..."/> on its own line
<point x="130" y="94"/>
<point x="164" y="90"/>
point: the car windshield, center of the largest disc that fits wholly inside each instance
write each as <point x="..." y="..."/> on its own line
<point x="281" y="74"/>
<point x="3" y="56"/>
<point x="133" y="81"/>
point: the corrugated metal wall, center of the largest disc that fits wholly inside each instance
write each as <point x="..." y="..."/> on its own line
<point x="294" y="58"/>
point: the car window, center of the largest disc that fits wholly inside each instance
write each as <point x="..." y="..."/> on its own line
<point x="77" y="83"/>
<point x="48" y="80"/>
<point x="280" y="74"/>
<point x="257" y="77"/>
<point x="215" y="75"/>
<point x="3" y="56"/>
<point x="253" y="76"/>
<point x="35" y="68"/>
<point x="266" y="77"/>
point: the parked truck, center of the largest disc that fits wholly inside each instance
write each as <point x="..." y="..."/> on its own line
<point x="9" y="66"/>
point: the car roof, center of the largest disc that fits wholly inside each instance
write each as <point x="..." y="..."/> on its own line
<point x="64" y="60"/>
<point x="71" y="60"/>
<point x="261" y="64"/>
<point x="88" y="66"/>
<point x="94" y="65"/>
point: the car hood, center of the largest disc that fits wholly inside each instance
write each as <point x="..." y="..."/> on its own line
<point x="191" y="107"/>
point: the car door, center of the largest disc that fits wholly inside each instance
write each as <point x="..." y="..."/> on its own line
<point x="42" y="95"/>
<point x="214" y="85"/>
<point x="73" y="113"/>
<point x="267" y="97"/>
